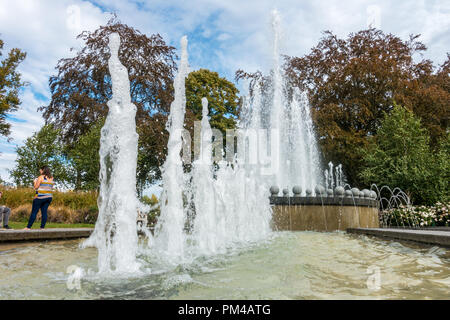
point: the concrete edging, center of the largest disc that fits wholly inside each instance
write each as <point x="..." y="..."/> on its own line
<point x="436" y="237"/>
<point x="45" y="234"/>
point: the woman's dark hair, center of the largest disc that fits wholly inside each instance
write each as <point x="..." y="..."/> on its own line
<point x="46" y="171"/>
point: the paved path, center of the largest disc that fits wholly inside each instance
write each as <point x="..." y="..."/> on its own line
<point x="436" y="237"/>
<point x="46" y="234"/>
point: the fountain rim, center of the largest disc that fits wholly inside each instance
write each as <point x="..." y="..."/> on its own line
<point x="324" y="201"/>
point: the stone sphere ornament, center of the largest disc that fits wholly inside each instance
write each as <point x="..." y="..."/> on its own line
<point x="308" y="192"/>
<point x="297" y="190"/>
<point x="339" y="191"/>
<point x="355" y="192"/>
<point x="274" y="190"/>
<point x="366" y="193"/>
<point x="285" y="192"/>
<point x="320" y="190"/>
<point x="373" y="195"/>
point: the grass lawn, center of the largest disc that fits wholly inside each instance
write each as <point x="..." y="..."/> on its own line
<point x="37" y="225"/>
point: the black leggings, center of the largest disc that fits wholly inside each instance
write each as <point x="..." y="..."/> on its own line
<point x="39" y="204"/>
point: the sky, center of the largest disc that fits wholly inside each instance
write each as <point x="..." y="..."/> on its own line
<point x="223" y="36"/>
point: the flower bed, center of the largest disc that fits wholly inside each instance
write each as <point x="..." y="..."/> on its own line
<point x="421" y="216"/>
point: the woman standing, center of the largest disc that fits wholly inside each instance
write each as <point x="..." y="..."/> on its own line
<point x="44" y="189"/>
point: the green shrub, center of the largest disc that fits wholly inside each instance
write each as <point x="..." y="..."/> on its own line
<point x="57" y="214"/>
<point x="66" y="207"/>
<point x="400" y="156"/>
<point x="15" y="197"/>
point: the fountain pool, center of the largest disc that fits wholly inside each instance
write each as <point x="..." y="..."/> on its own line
<point x="285" y="266"/>
<point x="231" y="252"/>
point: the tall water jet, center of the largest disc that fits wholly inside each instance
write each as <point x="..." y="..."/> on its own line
<point x="255" y="120"/>
<point x="331" y="177"/>
<point x="231" y="203"/>
<point x="334" y="178"/>
<point x="277" y="110"/>
<point x="302" y="152"/>
<point x="115" y="234"/>
<point x="205" y="225"/>
<point x="298" y="153"/>
<point x="340" y="178"/>
<point x="169" y="231"/>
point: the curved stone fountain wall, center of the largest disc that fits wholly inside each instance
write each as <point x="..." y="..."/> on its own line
<point x="326" y="210"/>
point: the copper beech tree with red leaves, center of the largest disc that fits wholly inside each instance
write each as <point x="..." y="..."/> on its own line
<point x="82" y="87"/>
<point x="352" y="81"/>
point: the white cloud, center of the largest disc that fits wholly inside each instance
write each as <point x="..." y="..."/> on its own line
<point x="6" y="162"/>
<point x="42" y="29"/>
<point x="223" y="37"/>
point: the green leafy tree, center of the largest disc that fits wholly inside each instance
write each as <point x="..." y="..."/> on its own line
<point x="222" y="95"/>
<point x="10" y="83"/>
<point x="352" y="81"/>
<point x="42" y="148"/>
<point x="85" y="159"/>
<point x="442" y="168"/>
<point x="400" y="156"/>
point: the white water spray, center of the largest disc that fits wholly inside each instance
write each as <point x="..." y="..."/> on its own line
<point x="277" y="111"/>
<point x="299" y="155"/>
<point x="169" y="231"/>
<point x="206" y="219"/>
<point x="115" y="234"/>
<point x="233" y="208"/>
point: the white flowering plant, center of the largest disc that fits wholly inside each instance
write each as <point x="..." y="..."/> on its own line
<point x="417" y="216"/>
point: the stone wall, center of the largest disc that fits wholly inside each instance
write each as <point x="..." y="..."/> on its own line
<point x="335" y="214"/>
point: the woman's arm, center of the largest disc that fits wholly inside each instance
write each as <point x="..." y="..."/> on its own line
<point x="37" y="182"/>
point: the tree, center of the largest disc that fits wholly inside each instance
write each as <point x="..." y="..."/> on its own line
<point x="400" y="156"/>
<point x="10" y="83"/>
<point x="82" y="87"/>
<point x="429" y="97"/>
<point x="222" y="98"/>
<point x="353" y="82"/>
<point x="42" y="148"/>
<point x="85" y="158"/>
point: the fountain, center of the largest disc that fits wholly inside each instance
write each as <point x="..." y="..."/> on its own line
<point x="169" y="231"/>
<point x="313" y="207"/>
<point x="115" y="234"/>
<point x="214" y="237"/>
<point x="223" y="204"/>
<point x="299" y="156"/>
<point x="208" y="225"/>
<point x="208" y="210"/>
